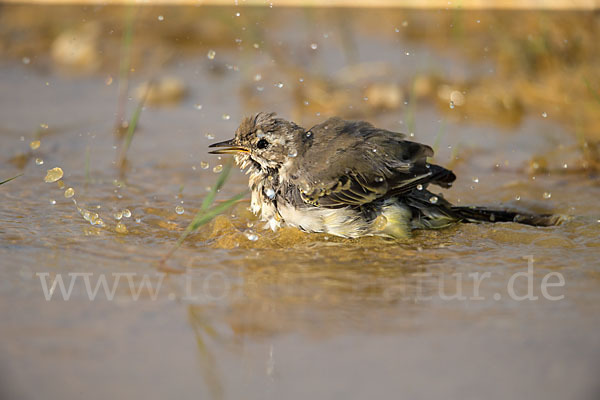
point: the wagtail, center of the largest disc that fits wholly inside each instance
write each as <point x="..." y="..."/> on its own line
<point x="349" y="179"/>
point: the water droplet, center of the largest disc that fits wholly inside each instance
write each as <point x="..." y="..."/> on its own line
<point x="39" y="161"/>
<point x="161" y="18"/>
<point x="309" y="134"/>
<point x="380" y="222"/>
<point x="374" y="150"/>
<point x="53" y="175"/>
<point x="226" y="117"/>
<point x="217" y="168"/>
<point x="60" y="184"/>
<point x="397" y="30"/>
<point x="26" y="60"/>
<point x="209" y="136"/>
<point x="433" y="199"/>
<point x="517" y="197"/>
<point x="313" y="46"/>
<point x="138" y="220"/>
<point x="279" y="85"/>
<point x="108" y="80"/>
<point x="53" y="202"/>
<point x="237" y="14"/>
<point x="118" y="215"/>
<point x="126" y="213"/>
<point x="35" y="144"/>
<point x="451" y="104"/>
<point x="379" y="179"/>
<point x="306" y="102"/>
<point x="70" y="192"/>
<point x="93" y="218"/>
<point x="544" y="114"/>
<point x="121" y="228"/>
<point x="211" y="54"/>
<point x="478" y="21"/>
<point x="565" y="166"/>
<point x="198" y="106"/>
<point x="476" y="179"/>
<point x="257" y="77"/>
<point x="260" y="88"/>
<point x="179" y="210"/>
<point x="407" y="53"/>
<point x="252" y="237"/>
<point x="405" y="23"/>
<point x="292" y="153"/>
<point x="44" y="126"/>
<point x="204" y="165"/>
<point x="547" y="195"/>
<point x="419" y="187"/>
<point x="270" y="193"/>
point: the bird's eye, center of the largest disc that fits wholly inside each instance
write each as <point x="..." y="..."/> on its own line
<point x="262" y="144"/>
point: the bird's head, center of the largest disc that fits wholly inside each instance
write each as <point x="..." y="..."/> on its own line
<point x="265" y="141"/>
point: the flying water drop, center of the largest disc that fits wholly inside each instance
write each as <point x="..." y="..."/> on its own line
<point x="53" y="175"/>
<point x="270" y="193"/>
<point x="253" y="237"/>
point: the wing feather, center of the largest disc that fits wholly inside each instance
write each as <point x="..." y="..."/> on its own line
<point x="353" y="163"/>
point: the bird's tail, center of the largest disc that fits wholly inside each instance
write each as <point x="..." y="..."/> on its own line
<point x="482" y="214"/>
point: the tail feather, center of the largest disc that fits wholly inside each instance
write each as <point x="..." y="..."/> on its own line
<point x="481" y="214"/>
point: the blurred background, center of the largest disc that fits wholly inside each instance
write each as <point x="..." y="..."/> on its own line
<point x="106" y="112"/>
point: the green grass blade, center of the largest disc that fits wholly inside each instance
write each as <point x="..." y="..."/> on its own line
<point x="201" y="218"/>
<point x="204" y="217"/>
<point x="10" y="179"/>
<point x="210" y="198"/>
<point x="124" y="64"/>
<point x="132" y="125"/>
<point x="592" y="91"/>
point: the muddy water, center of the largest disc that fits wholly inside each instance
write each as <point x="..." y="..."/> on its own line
<point x="246" y="312"/>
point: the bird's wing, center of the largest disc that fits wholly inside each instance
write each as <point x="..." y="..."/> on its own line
<point x="353" y="163"/>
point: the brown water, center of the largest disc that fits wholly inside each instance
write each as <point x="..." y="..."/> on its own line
<point x="249" y="313"/>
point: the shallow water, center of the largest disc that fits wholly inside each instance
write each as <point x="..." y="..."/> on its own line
<point x="288" y="315"/>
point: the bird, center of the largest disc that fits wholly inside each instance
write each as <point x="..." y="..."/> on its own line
<point x="349" y="179"/>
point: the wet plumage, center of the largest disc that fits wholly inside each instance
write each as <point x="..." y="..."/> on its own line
<point x="349" y="179"/>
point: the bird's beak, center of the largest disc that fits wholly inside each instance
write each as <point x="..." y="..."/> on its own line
<point x="230" y="148"/>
